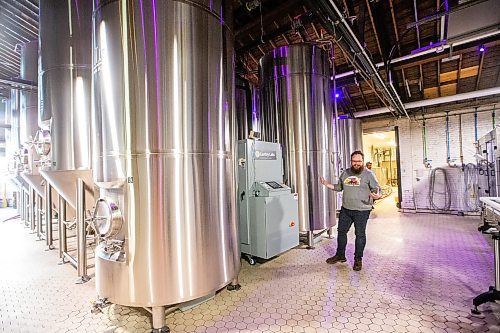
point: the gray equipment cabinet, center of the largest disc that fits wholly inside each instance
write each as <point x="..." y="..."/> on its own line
<point x="268" y="211"/>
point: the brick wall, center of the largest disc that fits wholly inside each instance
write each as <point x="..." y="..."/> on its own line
<point x="415" y="176"/>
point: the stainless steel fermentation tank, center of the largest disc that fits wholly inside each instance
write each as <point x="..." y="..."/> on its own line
<point x="350" y="140"/>
<point x="163" y="151"/>
<point x="65" y="80"/>
<point x="297" y="112"/>
<point x="64" y="113"/>
<point x="28" y="125"/>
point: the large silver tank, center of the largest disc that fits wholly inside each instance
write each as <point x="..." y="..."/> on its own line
<point x="350" y="139"/>
<point x="65" y="80"/>
<point x="297" y="112"/>
<point x="28" y="124"/>
<point x="247" y="108"/>
<point x="163" y="149"/>
<point x="12" y="135"/>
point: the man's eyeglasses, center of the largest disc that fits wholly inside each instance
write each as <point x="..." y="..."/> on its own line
<point x="356" y="161"/>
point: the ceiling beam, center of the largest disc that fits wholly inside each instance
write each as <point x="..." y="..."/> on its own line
<point x="335" y="23"/>
<point x="346" y="93"/>
<point x="267" y="18"/>
<point x="435" y="57"/>
<point x="436" y="101"/>
<point x="362" y="96"/>
<point x="374" y="28"/>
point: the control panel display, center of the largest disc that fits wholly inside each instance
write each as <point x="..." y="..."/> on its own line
<point x="274" y="185"/>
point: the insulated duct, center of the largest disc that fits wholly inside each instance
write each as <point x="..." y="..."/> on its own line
<point x="297" y="112"/>
<point x="163" y="150"/>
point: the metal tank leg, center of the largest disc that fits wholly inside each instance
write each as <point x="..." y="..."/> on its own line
<point x="159" y="320"/>
<point x="310" y="240"/>
<point x="32" y="212"/>
<point x="48" y="216"/>
<point x="330" y="232"/>
<point x="81" y="233"/>
<point x="27" y="209"/>
<point x="234" y="285"/>
<point x="61" y="218"/>
<point x="20" y="204"/>
<point x="39" y="217"/>
<point x="493" y="294"/>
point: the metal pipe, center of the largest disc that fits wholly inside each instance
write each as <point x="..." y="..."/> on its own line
<point x="81" y="233"/>
<point x="497" y="262"/>
<point x="415" y="11"/>
<point x="433" y="101"/>
<point x="61" y="217"/>
<point x="336" y="157"/>
<point x="448" y="153"/>
<point x="475" y="126"/>
<point x="48" y="216"/>
<point x="439" y="48"/>
<point x="335" y="22"/>
<point x="460" y="139"/>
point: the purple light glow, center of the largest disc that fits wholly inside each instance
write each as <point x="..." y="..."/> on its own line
<point x="482" y="48"/>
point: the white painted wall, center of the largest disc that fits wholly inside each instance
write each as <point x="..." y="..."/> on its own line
<point x="415" y="176"/>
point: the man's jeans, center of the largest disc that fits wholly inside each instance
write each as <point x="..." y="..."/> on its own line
<point x="346" y="218"/>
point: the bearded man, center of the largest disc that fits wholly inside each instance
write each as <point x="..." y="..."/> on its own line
<point x="360" y="188"/>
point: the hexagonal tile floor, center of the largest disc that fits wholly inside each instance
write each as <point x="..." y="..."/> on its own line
<point x="420" y="273"/>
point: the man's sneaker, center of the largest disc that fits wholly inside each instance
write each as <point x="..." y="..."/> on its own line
<point x="358" y="264"/>
<point x="335" y="259"/>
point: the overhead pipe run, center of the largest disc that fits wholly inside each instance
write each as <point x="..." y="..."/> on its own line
<point x="439" y="48"/>
<point x="18" y="84"/>
<point x="433" y="101"/>
<point x="335" y="23"/>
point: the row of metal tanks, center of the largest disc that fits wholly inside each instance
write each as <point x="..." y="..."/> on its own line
<point x="134" y="129"/>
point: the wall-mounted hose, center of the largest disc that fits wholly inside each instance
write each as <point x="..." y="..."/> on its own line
<point x="446" y="193"/>
<point x="471" y="189"/>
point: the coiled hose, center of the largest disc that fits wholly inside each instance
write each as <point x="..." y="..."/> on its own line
<point x="446" y="190"/>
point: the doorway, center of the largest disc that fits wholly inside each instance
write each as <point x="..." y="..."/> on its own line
<point x="382" y="151"/>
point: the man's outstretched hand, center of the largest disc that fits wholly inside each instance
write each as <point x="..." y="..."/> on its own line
<point x="376" y="195"/>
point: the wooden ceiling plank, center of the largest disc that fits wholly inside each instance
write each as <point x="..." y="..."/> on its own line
<point x="346" y="93"/>
<point x="362" y="96"/>
<point x="374" y="28"/>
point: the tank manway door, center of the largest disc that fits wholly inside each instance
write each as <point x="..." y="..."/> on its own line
<point x="268" y="211"/>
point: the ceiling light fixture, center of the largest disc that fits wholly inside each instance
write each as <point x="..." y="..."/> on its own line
<point x="251" y="5"/>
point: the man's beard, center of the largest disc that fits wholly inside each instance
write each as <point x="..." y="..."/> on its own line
<point x="357" y="171"/>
